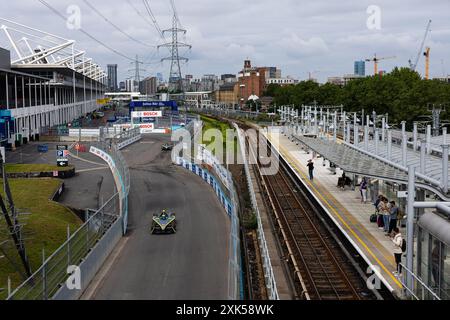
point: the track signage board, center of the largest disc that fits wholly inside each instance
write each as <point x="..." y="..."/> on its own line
<point x="62" y="153"/>
<point x="62" y="147"/>
<point x="62" y="162"/>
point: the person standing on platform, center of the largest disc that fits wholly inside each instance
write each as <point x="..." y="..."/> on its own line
<point x="385" y="213"/>
<point x="398" y="243"/>
<point x="392" y="218"/>
<point x="363" y="190"/>
<point x="310" y="166"/>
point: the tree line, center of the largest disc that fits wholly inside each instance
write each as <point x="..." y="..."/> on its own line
<point x="402" y="93"/>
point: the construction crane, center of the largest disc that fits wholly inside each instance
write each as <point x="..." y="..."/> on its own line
<point x="427" y="30"/>
<point x="376" y="60"/>
<point x="427" y="63"/>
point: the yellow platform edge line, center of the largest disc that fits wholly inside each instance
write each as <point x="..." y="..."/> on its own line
<point x="292" y="162"/>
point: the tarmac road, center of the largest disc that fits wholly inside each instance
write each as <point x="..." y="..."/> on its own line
<point x="92" y="185"/>
<point x="191" y="264"/>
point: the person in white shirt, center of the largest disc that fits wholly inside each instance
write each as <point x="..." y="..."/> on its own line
<point x="397" y="241"/>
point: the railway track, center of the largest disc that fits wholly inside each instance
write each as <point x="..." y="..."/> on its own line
<point x="321" y="269"/>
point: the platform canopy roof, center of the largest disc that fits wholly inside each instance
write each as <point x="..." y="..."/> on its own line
<point x="353" y="161"/>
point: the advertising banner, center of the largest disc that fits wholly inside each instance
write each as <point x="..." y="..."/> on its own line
<point x="146" y="127"/>
<point x="103" y="101"/>
<point x="146" y="114"/>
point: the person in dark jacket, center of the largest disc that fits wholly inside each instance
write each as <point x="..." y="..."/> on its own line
<point x="393" y="217"/>
<point x="310" y="166"/>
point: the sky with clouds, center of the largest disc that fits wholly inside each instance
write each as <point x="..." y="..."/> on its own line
<point x="298" y="36"/>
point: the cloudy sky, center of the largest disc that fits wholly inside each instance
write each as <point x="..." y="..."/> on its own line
<point x="298" y="36"/>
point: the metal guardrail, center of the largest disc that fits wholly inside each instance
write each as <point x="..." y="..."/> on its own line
<point x="122" y="172"/>
<point x="52" y="274"/>
<point x="225" y="112"/>
<point x="267" y="265"/>
<point x="420" y="290"/>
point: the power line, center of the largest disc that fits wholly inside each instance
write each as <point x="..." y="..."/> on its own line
<point x="172" y="3"/>
<point x="140" y="14"/>
<point x="86" y="33"/>
<point x="116" y="27"/>
<point x="152" y="17"/>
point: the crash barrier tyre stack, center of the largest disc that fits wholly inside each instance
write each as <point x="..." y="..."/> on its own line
<point x="226" y="193"/>
<point x="267" y="265"/>
<point x="87" y="248"/>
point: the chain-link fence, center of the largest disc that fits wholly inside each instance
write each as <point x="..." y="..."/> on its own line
<point x="121" y="174"/>
<point x="52" y="274"/>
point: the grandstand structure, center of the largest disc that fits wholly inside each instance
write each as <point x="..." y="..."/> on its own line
<point x="45" y="81"/>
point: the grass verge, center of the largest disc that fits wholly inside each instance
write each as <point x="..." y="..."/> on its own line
<point x="25" y="168"/>
<point x="211" y="123"/>
<point x="45" y="227"/>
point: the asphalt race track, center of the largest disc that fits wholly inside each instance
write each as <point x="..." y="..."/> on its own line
<point x="191" y="264"/>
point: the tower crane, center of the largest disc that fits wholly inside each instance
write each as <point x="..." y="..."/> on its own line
<point x="427" y="30"/>
<point x="376" y="60"/>
<point x="427" y="63"/>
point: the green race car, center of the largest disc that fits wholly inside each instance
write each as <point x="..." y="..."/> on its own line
<point x="164" y="223"/>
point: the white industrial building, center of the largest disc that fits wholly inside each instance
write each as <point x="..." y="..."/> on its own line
<point x="44" y="81"/>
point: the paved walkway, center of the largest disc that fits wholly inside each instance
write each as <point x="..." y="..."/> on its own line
<point x="344" y="207"/>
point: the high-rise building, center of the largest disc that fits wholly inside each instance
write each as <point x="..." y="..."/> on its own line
<point x="129" y="85"/>
<point x="112" y="77"/>
<point x="209" y="82"/>
<point x="360" y="68"/>
<point x="148" y="86"/>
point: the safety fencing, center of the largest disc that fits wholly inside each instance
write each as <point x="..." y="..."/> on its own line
<point x="267" y="265"/>
<point x="110" y="153"/>
<point x="87" y="248"/>
<point x="227" y="112"/>
<point x="128" y="137"/>
<point x="53" y="273"/>
<point x="419" y="290"/>
<point x="220" y="179"/>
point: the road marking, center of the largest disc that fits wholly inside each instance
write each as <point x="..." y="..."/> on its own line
<point x="84" y="160"/>
<point x="92" y="169"/>
<point x="293" y="163"/>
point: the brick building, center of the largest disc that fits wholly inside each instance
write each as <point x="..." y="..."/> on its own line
<point x="251" y="81"/>
<point x="227" y="94"/>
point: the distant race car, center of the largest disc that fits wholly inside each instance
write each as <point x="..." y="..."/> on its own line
<point x="165" y="222"/>
<point x="167" y="147"/>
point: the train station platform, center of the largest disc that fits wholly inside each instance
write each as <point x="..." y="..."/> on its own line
<point x="345" y="209"/>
